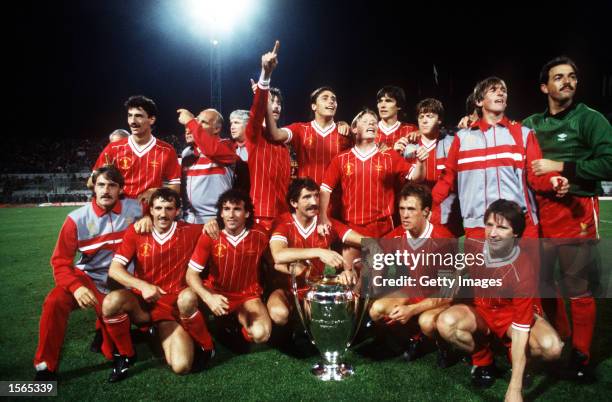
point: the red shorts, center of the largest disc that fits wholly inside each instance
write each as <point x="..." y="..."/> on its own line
<point x="236" y="299"/>
<point x="500" y="319"/>
<point x="569" y="217"/>
<point x="375" y="229"/>
<point x="164" y="309"/>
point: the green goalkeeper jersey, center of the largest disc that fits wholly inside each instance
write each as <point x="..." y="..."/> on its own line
<point x="581" y="138"/>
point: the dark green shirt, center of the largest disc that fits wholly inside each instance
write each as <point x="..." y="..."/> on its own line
<point x="581" y="138"/>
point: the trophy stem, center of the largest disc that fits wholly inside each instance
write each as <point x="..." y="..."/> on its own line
<point x="332" y="372"/>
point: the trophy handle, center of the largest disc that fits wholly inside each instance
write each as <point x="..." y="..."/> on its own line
<point x="298" y="306"/>
<point x="361" y="303"/>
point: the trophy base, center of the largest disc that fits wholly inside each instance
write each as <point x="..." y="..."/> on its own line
<point x="332" y="372"/>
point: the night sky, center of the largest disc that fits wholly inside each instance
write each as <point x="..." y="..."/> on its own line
<point x="77" y="62"/>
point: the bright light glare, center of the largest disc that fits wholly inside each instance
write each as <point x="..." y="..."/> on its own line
<point x="217" y="17"/>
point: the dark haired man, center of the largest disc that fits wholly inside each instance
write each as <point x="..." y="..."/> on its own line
<point x="157" y="291"/>
<point x="415" y="304"/>
<point x="232" y="264"/>
<point x="94" y="230"/>
<point x="511" y="312"/>
<point x="295" y="239"/>
<point x="391" y="103"/>
<point x="577" y="141"/>
<point x="144" y="161"/>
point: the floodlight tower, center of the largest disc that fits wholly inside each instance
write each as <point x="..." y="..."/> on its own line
<point x="216" y="99"/>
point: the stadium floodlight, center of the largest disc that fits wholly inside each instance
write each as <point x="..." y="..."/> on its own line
<point x="215" y="19"/>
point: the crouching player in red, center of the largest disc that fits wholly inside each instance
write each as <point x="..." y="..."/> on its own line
<point x="295" y="238"/>
<point x="158" y="291"/>
<point x="232" y="262"/>
<point x="405" y="305"/>
<point x="94" y="230"/>
<point x="516" y="320"/>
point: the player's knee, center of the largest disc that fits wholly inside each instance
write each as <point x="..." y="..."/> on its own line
<point x="260" y="332"/>
<point x="446" y="325"/>
<point x="279" y="315"/>
<point x="427" y="323"/>
<point x="113" y="303"/>
<point x="550" y="346"/>
<point x="377" y="311"/>
<point x="187" y="302"/>
<point x="181" y="365"/>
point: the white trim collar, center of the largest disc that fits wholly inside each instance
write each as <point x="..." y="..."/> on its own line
<point x="162" y="238"/>
<point x="422" y="239"/>
<point x="235" y="240"/>
<point x="305" y="232"/>
<point x="388" y="130"/>
<point x="323" y="132"/>
<point x="500" y="262"/>
<point x="141" y="151"/>
<point x="364" y="157"/>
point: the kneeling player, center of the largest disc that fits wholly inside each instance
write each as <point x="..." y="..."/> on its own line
<point x="516" y="320"/>
<point x="158" y="292"/>
<point x="93" y="230"/>
<point x="232" y="262"/>
<point x="295" y="238"/>
<point x="400" y="307"/>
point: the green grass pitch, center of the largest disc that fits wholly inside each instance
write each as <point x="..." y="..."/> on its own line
<point x="28" y="236"/>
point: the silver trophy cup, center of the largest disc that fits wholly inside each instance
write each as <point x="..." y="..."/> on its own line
<point x="331" y="313"/>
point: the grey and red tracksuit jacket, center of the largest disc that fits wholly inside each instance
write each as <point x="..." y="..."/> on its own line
<point x="490" y="162"/>
<point x="95" y="233"/>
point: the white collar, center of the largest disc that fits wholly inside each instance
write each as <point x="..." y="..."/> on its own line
<point x="500" y="262"/>
<point x="388" y="130"/>
<point x="364" y="156"/>
<point x="235" y="240"/>
<point x="305" y="232"/>
<point x="323" y="132"/>
<point x="141" y="150"/>
<point x="422" y="239"/>
<point x="162" y="238"/>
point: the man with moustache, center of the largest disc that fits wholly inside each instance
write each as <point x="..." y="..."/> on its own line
<point x="94" y="230"/>
<point x="577" y="141"/>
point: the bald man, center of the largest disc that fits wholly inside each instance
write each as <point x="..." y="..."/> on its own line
<point x="213" y="171"/>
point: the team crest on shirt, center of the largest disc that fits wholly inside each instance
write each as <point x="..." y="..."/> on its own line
<point x="125" y="162"/>
<point x="378" y="167"/>
<point x="154" y="164"/>
<point x="92" y="228"/>
<point x="219" y="250"/>
<point x="349" y="169"/>
<point x="145" y="250"/>
<point x="561" y="137"/>
<point x="308" y="140"/>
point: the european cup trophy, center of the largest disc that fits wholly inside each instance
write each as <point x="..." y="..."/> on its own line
<point x="331" y="314"/>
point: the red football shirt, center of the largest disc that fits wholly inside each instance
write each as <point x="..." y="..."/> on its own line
<point x="315" y="147"/>
<point x="390" y="135"/>
<point x="142" y="167"/>
<point x="161" y="259"/>
<point x="269" y="162"/>
<point x="289" y="230"/>
<point x="518" y="278"/>
<point x="232" y="261"/>
<point x="368" y="183"/>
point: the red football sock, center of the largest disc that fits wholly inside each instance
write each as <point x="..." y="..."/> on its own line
<point x="583" y="323"/>
<point x="482" y="356"/>
<point x="196" y="327"/>
<point x="246" y="335"/>
<point x="555" y="310"/>
<point x="118" y="328"/>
